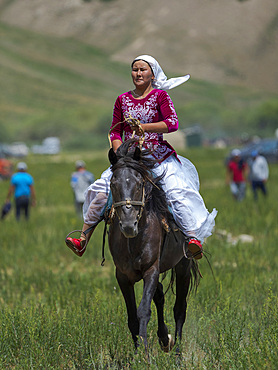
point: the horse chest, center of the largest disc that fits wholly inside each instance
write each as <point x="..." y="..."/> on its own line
<point x="130" y="263"/>
<point x="131" y="260"/>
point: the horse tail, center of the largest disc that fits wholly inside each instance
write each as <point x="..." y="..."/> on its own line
<point x="194" y="275"/>
<point x="171" y="282"/>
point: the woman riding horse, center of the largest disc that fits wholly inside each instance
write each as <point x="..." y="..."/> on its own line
<point x="149" y="103"/>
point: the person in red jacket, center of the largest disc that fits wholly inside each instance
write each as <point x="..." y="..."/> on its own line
<point x="236" y="175"/>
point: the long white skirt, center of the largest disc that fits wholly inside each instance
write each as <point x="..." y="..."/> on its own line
<point x="181" y="185"/>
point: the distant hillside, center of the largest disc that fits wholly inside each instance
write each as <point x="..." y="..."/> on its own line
<point x="62" y="65"/>
<point x="222" y="41"/>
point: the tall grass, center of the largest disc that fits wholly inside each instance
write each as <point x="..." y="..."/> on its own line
<point x="61" y="311"/>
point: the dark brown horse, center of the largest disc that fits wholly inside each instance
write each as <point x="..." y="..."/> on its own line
<point x="143" y="245"/>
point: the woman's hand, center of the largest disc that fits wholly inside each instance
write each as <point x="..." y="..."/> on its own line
<point x="115" y="145"/>
<point x="135" y="126"/>
<point x="138" y="129"/>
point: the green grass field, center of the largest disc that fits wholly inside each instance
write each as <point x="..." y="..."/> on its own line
<point x="59" y="311"/>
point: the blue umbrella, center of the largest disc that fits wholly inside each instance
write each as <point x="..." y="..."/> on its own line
<point x="6" y="209"/>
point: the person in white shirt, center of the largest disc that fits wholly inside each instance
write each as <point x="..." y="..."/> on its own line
<point x="259" y="173"/>
<point x="80" y="180"/>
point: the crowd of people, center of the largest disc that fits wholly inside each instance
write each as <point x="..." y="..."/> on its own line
<point x="22" y="190"/>
<point x="239" y="173"/>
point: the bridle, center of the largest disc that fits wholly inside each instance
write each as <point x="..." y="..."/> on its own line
<point x="129" y="203"/>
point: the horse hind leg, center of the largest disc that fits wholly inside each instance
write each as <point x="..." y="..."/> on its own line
<point x="165" y="339"/>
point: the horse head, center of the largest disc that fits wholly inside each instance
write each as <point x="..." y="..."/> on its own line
<point x="128" y="189"/>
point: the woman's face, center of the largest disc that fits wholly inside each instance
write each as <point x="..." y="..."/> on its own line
<point x="142" y="74"/>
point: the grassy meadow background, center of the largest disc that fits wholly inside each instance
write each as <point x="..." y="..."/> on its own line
<point x="59" y="311"/>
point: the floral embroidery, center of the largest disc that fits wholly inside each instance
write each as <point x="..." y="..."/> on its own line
<point x="145" y="112"/>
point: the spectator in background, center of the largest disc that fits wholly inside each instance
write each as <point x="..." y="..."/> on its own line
<point x="236" y="175"/>
<point x="22" y="186"/>
<point x="259" y="173"/>
<point x="80" y="180"/>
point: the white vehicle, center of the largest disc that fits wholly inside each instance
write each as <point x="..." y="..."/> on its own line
<point x="17" y="149"/>
<point x="50" y="145"/>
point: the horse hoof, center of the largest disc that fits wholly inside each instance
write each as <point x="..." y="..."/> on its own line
<point x="170" y="344"/>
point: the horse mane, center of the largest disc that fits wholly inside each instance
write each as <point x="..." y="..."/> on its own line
<point x="155" y="196"/>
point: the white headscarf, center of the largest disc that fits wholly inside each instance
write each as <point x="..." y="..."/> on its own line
<point x="160" y="81"/>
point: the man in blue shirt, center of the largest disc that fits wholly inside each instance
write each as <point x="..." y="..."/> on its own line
<point x="22" y="186"/>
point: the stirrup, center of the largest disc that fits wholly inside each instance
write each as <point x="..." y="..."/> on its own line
<point x="195" y="248"/>
<point x="78" y="252"/>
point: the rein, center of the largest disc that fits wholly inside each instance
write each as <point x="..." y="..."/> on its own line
<point x="132" y="122"/>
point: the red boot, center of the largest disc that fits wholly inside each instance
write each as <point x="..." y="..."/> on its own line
<point x="195" y="248"/>
<point x="78" y="246"/>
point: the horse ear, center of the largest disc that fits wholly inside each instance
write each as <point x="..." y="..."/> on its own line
<point x="137" y="154"/>
<point x="112" y="157"/>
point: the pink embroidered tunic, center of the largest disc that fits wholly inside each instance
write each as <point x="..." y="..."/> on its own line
<point x="180" y="177"/>
<point x="155" y="107"/>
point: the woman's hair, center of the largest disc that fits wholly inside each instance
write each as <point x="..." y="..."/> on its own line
<point x="136" y="60"/>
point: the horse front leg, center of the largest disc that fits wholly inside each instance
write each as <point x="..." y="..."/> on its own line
<point x="150" y="279"/>
<point x="127" y="289"/>
<point x="182" y="287"/>
<point x="165" y="340"/>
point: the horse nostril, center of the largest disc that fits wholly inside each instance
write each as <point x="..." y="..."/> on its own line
<point x="135" y="224"/>
<point x="121" y="224"/>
